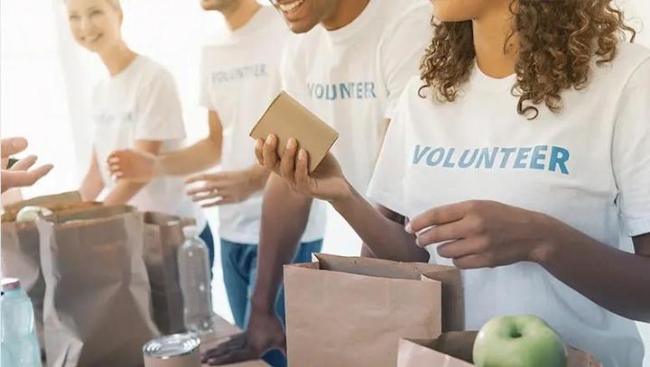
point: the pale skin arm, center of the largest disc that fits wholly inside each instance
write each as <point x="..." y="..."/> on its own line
<point x="92" y="184"/>
<point x="198" y="157"/>
<point x="124" y="191"/>
<point x="141" y="167"/>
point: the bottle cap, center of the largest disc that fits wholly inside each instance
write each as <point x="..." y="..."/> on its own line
<point x="190" y="231"/>
<point x="10" y="284"/>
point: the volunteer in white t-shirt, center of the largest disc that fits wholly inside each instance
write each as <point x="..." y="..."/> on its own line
<point x="136" y="107"/>
<point x="519" y="157"/>
<point x="348" y="65"/>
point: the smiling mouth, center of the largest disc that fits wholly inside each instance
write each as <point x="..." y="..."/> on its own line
<point x="92" y="39"/>
<point x="291" y="7"/>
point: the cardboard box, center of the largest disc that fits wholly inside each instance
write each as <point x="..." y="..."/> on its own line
<point x="286" y="118"/>
<point x="454" y="349"/>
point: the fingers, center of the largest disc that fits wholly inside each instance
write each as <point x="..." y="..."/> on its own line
<point x="462" y="248"/>
<point x="445" y="232"/>
<point x="438" y="216"/>
<point x="224" y="200"/>
<point x="24" y="164"/>
<point x="288" y="162"/>
<point x="302" y="169"/>
<point x="234" y="350"/>
<point x="210" y="178"/>
<point x="234" y="356"/>
<point x="234" y="343"/>
<point x="213" y="185"/>
<point x="11" y="146"/>
<point x="270" y="158"/>
<point x="118" y="163"/>
<point x="259" y="144"/>
<point x="12" y="179"/>
<point x="115" y="157"/>
<point x="477" y="261"/>
<point x="40" y="172"/>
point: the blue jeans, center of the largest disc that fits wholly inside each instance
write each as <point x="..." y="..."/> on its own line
<point x="239" y="262"/>
<point x="206" y="236"/>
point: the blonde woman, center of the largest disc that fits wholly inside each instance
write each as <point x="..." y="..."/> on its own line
<point x="136" y="106"/>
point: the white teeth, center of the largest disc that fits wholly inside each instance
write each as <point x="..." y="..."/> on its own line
<point x="291" y="6"/>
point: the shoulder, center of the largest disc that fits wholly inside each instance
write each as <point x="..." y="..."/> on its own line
<point x="405" y="26"/>
<point x="153" y="68"/>
<point x="154" y="74"/>
<point x="630" y="60"/>
<point x="405" y="15"/>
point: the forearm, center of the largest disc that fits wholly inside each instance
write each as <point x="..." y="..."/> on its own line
<point x="198" y="157"/>
<point x="91" y="186"/>
<point x="259" y="176"/>
<point x="122" y="193"/>
<point x="386" y="238"/>
<point x="614" y="279"/>
<point x="284" y="219"/>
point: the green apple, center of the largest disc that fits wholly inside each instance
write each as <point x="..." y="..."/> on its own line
<point x="518" y="341"/>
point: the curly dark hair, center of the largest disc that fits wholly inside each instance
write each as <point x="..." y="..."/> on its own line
<point x="557" y="41"/>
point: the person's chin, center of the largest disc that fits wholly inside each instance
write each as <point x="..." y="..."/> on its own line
<point x="301" y="26"/>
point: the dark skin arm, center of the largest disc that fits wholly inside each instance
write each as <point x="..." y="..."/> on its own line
<point x="490" y="234"/>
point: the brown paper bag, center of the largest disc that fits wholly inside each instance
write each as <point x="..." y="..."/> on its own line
<point x="163" y="237"/>
<point x="97" y="309"/>
<point x="454" y="349"/>
<point x="20" y="248"/>
<point x="353" y="311"/>
<point x="47" y="201"/>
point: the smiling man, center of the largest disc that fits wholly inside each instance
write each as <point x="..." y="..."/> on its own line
<point x="348" y="64"/>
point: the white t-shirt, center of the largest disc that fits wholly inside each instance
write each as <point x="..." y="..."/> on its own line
<point x="240" y="77"/>
<point x="142" y="103"/>
<point x="352" y="77"/>
<point x="588" y="166"/>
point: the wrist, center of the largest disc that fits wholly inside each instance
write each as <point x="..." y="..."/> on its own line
<point x="257" y="176"/>
<point x="259" y="305"/>
<point x="346" y="194"/>
<point x="546" y="246"/>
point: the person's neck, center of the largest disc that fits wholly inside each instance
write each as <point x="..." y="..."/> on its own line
<point x="238" y="15"/>
<point x="118" y="58"/>
<point x="344" y="13"/>
<point x="494" y="57"/>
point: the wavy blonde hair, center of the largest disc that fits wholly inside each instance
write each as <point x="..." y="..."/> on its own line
<point x="557" y="41"/>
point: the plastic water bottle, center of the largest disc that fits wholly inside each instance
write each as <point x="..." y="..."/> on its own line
<point x="19" y="341"/>
<point x="194" y="274"/>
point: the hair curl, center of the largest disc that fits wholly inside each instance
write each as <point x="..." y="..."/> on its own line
<point x="557" y="41"/>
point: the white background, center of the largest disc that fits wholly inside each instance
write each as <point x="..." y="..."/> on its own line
<point x="46" y="80"/>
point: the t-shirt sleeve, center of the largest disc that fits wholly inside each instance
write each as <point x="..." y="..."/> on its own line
<point x="160" y="115"/>
<point x="402" y="50"/>
<point x="387" y="184"/>
<point x="631" y="152"/>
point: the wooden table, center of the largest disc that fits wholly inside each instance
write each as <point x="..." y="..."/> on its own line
<point x="222" y="330"/>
